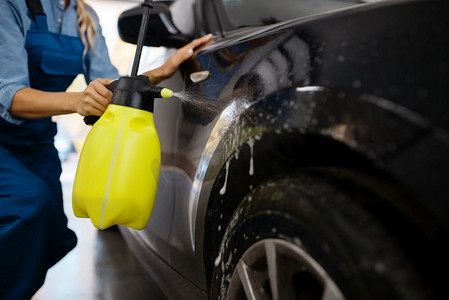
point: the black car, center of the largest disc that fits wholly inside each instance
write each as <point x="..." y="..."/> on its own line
<point x="307" y="153"/>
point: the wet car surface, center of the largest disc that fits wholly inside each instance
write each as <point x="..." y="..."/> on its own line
<point x="302" y="157"/>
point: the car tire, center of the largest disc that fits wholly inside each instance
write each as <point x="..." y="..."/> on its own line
<point x="307" y="238"/>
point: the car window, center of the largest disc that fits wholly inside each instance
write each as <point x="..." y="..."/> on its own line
<point x="242" y="13"/>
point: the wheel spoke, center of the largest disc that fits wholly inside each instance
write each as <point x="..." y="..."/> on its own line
<point x="251" y="285"/>
<point x="331" y="293"/>
<point x="270" y="250"/>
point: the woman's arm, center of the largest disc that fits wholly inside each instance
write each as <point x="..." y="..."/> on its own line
<point x="30" y="103"/>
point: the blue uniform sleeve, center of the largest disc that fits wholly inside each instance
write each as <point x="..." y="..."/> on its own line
<point x="98" y="63"/>
<point x="13" y="55"/>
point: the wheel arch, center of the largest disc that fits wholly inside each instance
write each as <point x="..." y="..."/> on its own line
<point x="295" y="129"/>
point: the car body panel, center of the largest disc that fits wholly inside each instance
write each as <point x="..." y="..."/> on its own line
<point x="347" y="88"/>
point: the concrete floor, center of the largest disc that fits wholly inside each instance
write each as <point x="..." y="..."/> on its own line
<point x="100" y="267"/>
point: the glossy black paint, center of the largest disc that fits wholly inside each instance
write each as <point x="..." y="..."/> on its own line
<point x="362" y="90"/>
<point x="396" y="52"/>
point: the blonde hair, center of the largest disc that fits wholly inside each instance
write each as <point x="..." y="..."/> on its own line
<point x="86" y="25"/>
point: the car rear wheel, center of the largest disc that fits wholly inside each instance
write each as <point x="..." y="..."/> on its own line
<point x="307" y="238"/>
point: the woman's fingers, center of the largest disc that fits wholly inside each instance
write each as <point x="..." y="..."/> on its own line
<point x="184" y="53"/>
<point x="199" y="44"/>
<point x="96" y="97"/>
<point x="102" y="94"/>
<point x="196" y="46"/>
<point x="181" y="55"/>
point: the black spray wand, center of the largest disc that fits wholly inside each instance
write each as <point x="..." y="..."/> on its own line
<point x="147" y="6"/>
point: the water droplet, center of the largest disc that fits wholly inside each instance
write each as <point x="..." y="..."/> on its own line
<point x="217" y="260"/>
<point x="234" y="220"/>
<point x="228" y="263"/>
<point x="341" y="58"/>
<point x="223" y="189"/>
<point x="380" y="267"/>
<point x="357" y="84"/>
<point x="251" y="161"/>
<point x="297" y="241"/>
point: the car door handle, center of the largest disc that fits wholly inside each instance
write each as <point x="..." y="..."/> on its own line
<point x="200" y="76"/>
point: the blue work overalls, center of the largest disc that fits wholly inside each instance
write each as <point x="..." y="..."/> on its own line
<point x="33" y="226"/>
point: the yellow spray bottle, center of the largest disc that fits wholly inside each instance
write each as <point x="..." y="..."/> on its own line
<point x="118" y="170"/>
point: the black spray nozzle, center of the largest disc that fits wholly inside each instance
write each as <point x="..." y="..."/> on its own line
<point x="156" y="92"/>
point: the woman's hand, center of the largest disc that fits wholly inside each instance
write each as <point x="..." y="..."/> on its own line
<point x="95" y="98"/>
<point x="182" y="54"/>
